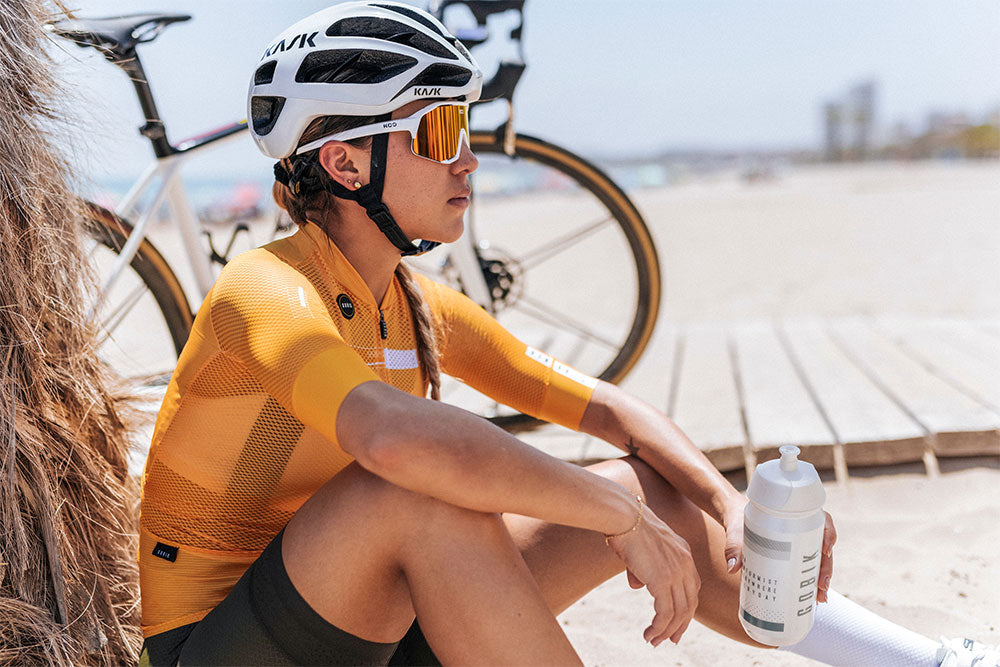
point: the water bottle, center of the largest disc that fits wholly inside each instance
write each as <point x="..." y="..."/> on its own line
<point x="782" y="542"/>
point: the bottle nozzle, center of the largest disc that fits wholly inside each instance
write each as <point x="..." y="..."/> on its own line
<point x="789" y="458"/>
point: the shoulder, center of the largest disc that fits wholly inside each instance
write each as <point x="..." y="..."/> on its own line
<point x="441" y="298"/>
<point x="262" y="277"/>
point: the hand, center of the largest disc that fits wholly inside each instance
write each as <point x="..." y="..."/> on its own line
<point x="733" y="523"/>
<point x="659" y="559"/>
<point x="826" y="560"/>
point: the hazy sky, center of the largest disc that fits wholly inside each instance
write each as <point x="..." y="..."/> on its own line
<point x="604" y="76"/>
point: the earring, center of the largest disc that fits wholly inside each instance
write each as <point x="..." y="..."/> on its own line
<point x="357" y="185"/>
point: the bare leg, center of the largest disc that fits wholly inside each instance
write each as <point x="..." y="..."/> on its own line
<point x="568" y="562"/>
<point x="367" y="555"/>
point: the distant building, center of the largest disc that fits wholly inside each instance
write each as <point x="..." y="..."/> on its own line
<point x="849" y="124"/>
<point x="833" y="148"/>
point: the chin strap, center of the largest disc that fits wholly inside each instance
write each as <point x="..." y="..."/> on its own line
<point x="368" y="196"/>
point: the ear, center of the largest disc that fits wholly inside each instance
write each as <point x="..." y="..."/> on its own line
<point x="346" y="164"/>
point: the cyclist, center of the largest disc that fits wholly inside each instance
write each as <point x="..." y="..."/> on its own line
<point x="303" y="502"/>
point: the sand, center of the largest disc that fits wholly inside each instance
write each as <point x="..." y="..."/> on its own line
<point x="917" y="239"/>
<point x="909" y="239"/>
<point x="919" y="552"/>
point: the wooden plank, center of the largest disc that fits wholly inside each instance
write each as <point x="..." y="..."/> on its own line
<point x="939" y="349"/>
<point x="870" y="427"/>
<point x="650" y="378"/>
<point x="704" y="400"/>
<point x="960" y="426"/>
<point x="777" y="406"/>
<point x="969" y="337"/>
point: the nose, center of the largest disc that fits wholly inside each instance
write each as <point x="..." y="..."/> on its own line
<point x="467" y="161"/>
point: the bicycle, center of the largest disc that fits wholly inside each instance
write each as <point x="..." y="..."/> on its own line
<point x="144" y="313"/>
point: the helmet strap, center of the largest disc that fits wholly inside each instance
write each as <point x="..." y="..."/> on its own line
<point x="370" y="198"/>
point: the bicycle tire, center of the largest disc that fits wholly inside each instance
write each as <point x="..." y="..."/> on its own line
<point x="151" y="268"/>
<point x="632" y="225"/>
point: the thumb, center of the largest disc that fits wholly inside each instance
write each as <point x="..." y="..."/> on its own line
<point x="734" y="552"/>
<point x="633" y="580"/>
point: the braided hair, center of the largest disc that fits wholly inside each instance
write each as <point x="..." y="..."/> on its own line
<point x="299" y="189"/>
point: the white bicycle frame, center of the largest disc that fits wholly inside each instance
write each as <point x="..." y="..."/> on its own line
<point x="164" y="175"/>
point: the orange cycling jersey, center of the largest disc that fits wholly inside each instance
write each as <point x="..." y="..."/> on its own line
<point x="247" y="429"/>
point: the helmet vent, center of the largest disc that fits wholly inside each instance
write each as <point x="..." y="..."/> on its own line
<point x="409" y="13"/>
<point x="264" y="73"/>
<point x="352" y="66"/>
<point x="438" y="74"/>
<point x="391" y="31"/>
<point x="264" y="112"/>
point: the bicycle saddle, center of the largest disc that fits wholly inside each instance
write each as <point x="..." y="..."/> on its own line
<point x="115" y="36"/>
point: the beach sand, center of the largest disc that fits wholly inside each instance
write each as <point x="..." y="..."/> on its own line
<point x="919" y="552"/>
<point x="882" y="239"/>
<point x="910" y="239"/>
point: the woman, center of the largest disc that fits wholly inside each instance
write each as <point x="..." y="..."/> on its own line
<point x="303" y="501"/>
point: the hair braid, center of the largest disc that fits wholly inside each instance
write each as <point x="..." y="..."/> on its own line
<point x="427" y="350"/>
<point x="317" y="205"/>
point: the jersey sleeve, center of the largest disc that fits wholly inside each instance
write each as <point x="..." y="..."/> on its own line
<point x="477" y="350"/>
<point x="271" y="319"/>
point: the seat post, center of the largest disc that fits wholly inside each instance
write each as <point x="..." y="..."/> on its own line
<point x="154" y="130"/>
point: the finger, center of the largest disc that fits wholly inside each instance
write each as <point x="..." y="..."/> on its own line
<point x="734" y="550"/>
<point x="633" y="580"/>
<point x="676" y="637"/>
<point x="825" y="575"/>
<point x="829" y="535"/>
<point x="664" y="614"/>
<point x="678" y="618"/>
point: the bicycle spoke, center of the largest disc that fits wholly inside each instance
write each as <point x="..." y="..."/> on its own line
<point x="115" y="318"/>
<point x="539" y="255"/>
<point x="543" y="313"/>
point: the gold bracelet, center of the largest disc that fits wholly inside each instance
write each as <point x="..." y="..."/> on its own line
<point x="638" y="522"/>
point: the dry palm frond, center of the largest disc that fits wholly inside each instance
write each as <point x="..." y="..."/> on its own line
<point x="68" y="592"/>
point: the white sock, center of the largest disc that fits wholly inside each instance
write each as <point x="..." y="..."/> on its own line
<point x="845" y="633"/>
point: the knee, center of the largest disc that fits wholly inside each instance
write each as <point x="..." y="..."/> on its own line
<point x="423" y="515"/>
<point x="641" y="479"/>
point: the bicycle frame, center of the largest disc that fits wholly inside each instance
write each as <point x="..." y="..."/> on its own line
<point x="162" y="178"/>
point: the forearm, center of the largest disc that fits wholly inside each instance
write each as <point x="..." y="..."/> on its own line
<point x="455" y="456"/>
<point x="641" y="430"/>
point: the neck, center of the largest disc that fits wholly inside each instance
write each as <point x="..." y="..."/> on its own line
<point x="369" y="252"/>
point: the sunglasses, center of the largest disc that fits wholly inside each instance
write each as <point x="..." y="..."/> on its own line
<point x="436" y="129"/>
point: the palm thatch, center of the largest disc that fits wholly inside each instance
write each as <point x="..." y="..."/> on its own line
<point x="68" y="583"/>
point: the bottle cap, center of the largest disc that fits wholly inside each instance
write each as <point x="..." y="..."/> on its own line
<point x="787" y="484"/>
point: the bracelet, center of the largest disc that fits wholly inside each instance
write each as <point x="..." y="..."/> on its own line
<point x="638" y="522"/>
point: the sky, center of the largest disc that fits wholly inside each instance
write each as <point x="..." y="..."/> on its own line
<point x="604" y="77"/>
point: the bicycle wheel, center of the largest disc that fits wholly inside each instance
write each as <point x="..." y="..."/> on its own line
<point x="571" y="266"/>
<point x="142" y="318"/>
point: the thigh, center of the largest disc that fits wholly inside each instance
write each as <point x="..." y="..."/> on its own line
<point x="342" y="553"/>
<point x="265" y="621"/>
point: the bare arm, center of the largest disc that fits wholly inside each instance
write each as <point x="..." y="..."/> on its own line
<point x="639" y="429"/>
<point x="450" y="454"/>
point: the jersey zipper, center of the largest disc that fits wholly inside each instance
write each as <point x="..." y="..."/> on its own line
<point x="383" y="330"/>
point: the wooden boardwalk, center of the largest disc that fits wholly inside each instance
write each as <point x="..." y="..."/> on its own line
<point x="850" y="392"/>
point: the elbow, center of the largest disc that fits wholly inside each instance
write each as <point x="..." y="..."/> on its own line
<point x="371" y="428"/>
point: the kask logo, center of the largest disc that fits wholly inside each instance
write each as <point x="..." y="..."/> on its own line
<point x="430" y="92"/>
<point x="298" y="40"/>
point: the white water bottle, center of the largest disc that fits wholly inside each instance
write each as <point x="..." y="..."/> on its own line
<point x="782" y="542"/>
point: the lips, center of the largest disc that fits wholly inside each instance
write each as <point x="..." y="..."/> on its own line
<point x="461" y="199"/>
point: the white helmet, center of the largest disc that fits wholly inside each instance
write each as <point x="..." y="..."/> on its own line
<point x="354" y="59"/>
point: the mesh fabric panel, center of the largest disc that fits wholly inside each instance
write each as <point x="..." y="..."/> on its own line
<point x="241" y="443"/>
